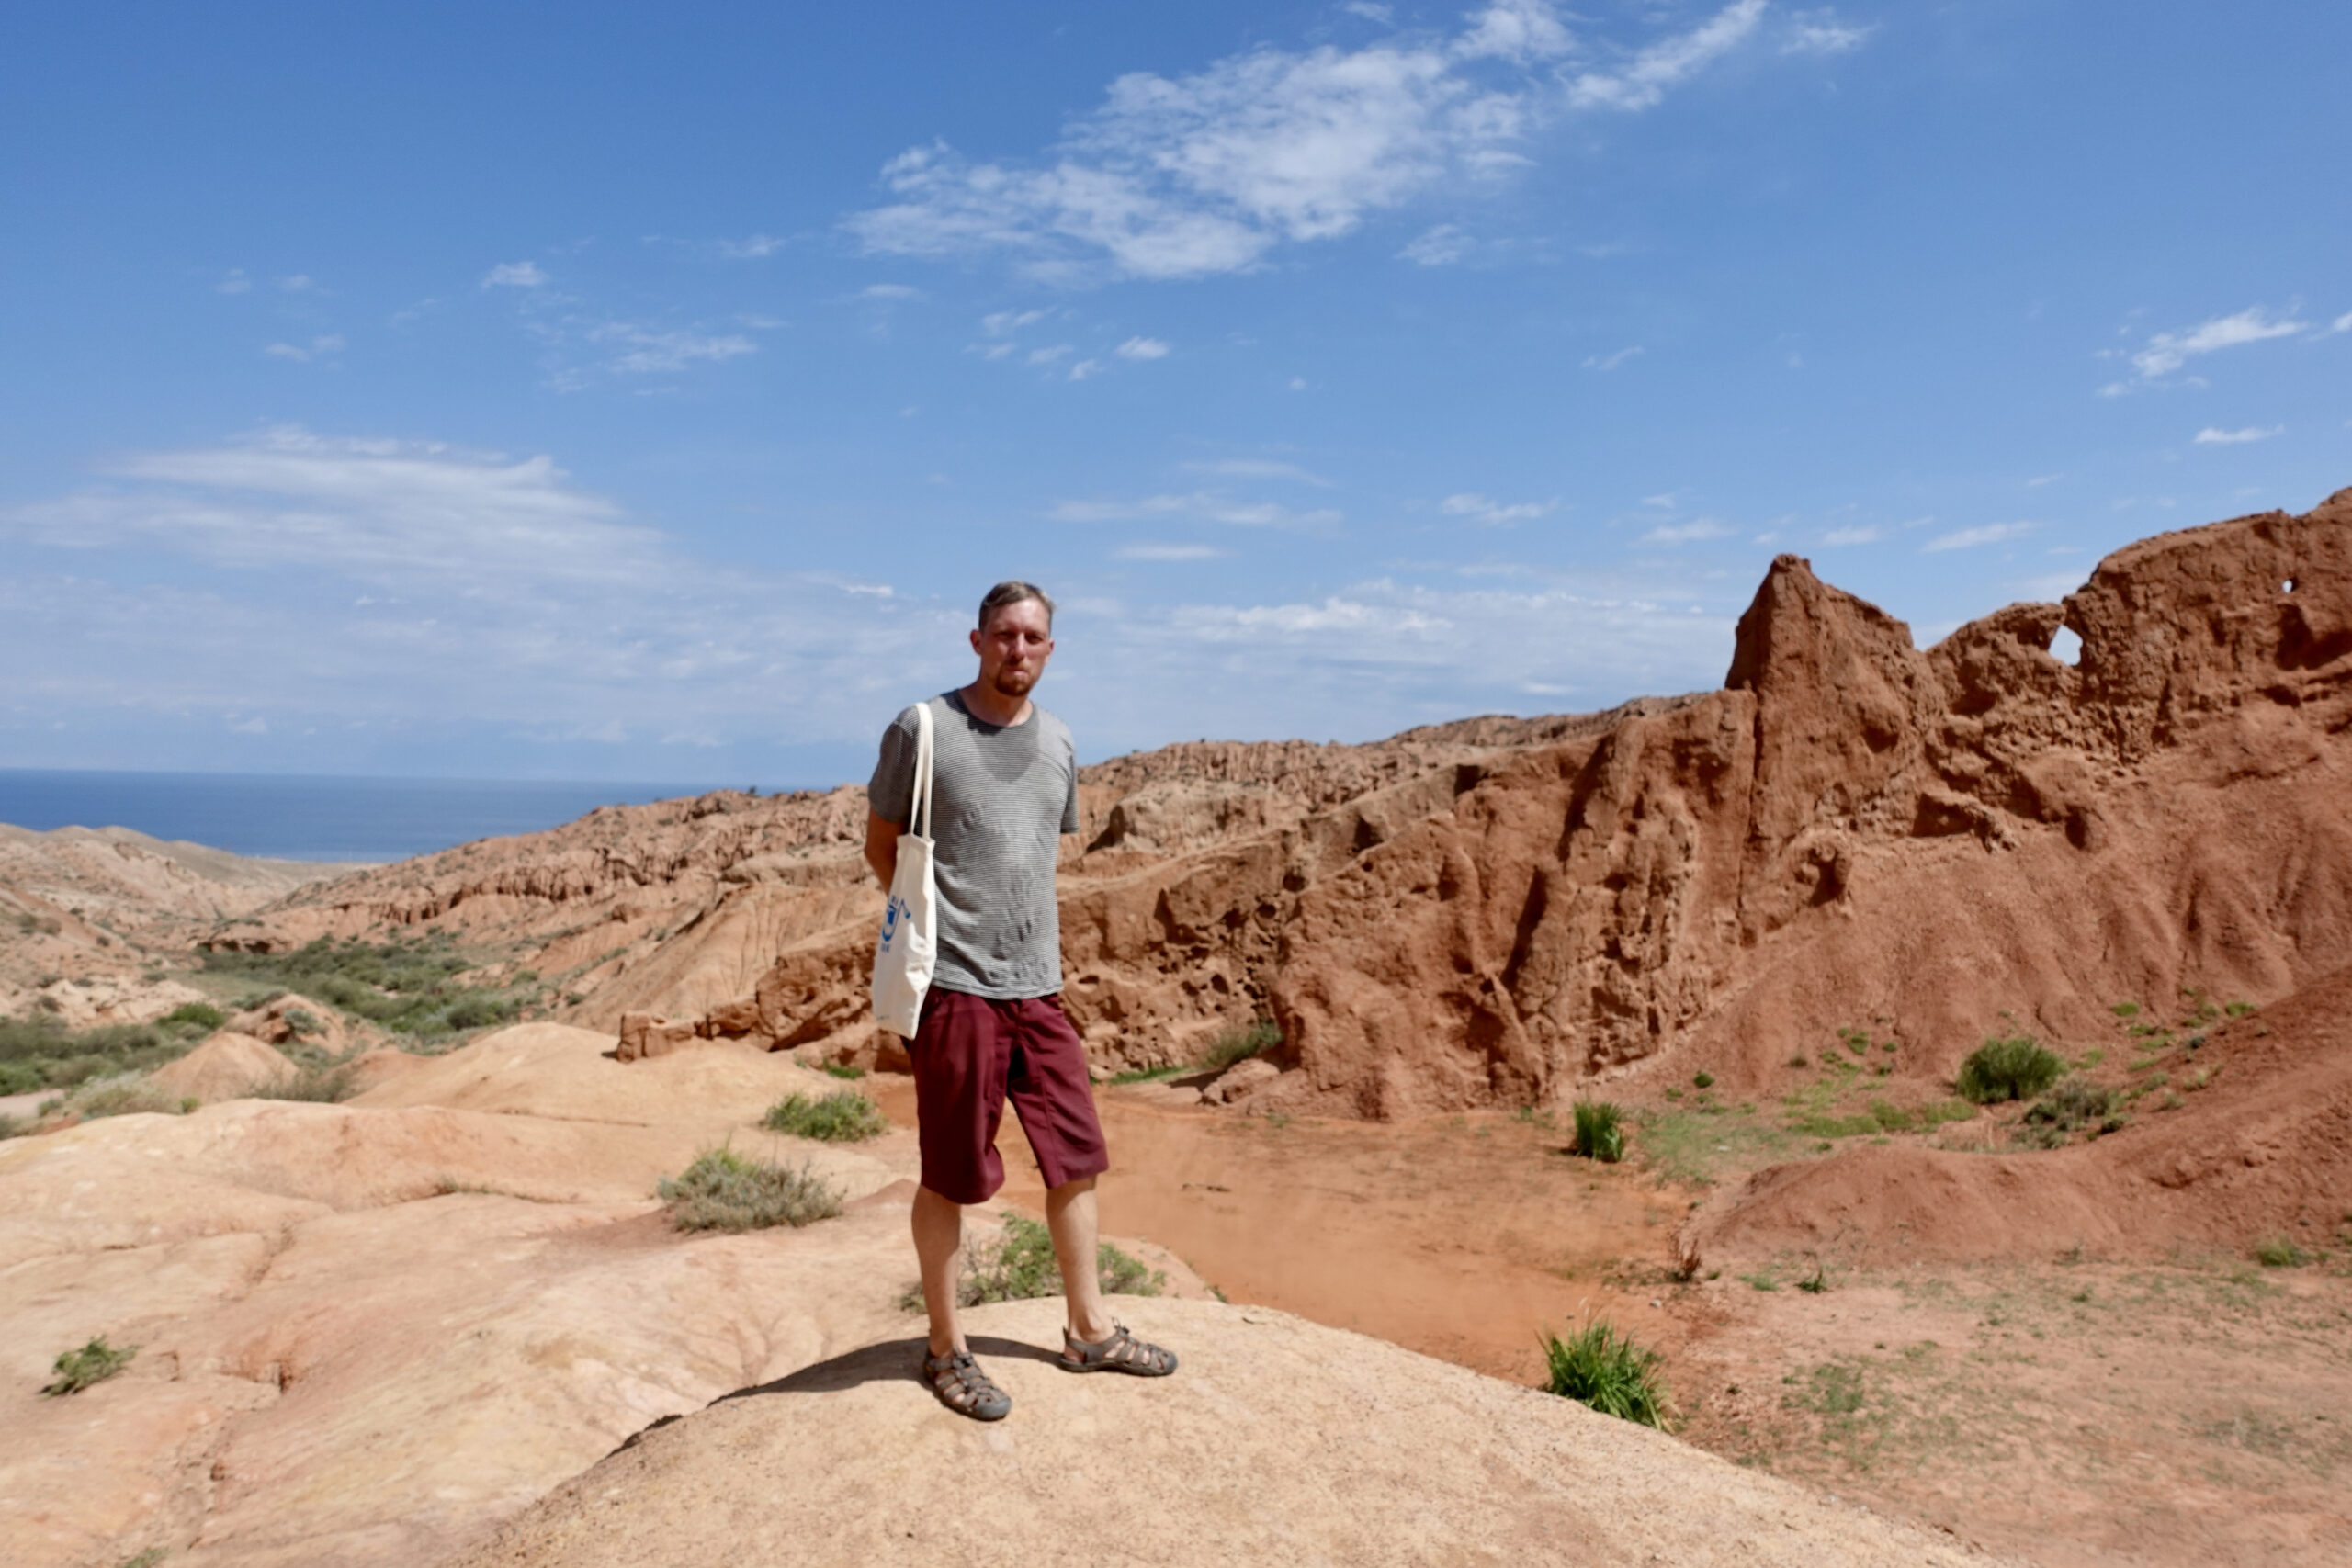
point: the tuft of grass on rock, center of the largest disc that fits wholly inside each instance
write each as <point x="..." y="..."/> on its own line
<point x="844" y="1070"/>
<point x="1599" y="1133"/>
<point x="1233" y="1046"/>
<point x="843" y="1116"/>
<point x="2279" y="1252"/>
<point x="2076" y="1104"/>
<point x="2011" y="1067"/>
<point x="147" y="1559"/>
<point x="93" y="1363"/>
<point x="1019" y="1266"/>
<point x="723" y="1190"/>
<point x="1597" y="1366"/>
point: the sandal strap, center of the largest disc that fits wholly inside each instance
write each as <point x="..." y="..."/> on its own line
<point x="1120" y="1350"/>
<point x="958" y="1378"/>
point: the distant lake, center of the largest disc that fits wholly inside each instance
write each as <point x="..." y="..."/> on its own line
<point x="306" y="817"/>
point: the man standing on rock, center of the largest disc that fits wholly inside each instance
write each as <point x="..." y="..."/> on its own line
<point x="1004" y="789"/>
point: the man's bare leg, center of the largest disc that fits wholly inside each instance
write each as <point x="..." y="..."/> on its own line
<point x="939" y="1251"/>
<point x="1069" y="1214"/>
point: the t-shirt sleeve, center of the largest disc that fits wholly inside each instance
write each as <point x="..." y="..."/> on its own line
<point x="1070" y="801"/>
<point x="891" y="792"/>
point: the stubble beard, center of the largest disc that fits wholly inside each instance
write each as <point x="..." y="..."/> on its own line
<point x="1011" y="682"/>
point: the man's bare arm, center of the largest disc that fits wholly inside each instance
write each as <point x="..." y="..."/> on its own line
<point x="882" y="847"/>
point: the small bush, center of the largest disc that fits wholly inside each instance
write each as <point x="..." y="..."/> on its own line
<point x="843" y="1116"/>
<point x="320" y="1084"/>
<point x="2279" y="1252"/>
<point x="844" y="1070"/>
<point x="1599" y="1135"/>
<point x="1600" y="1368"/>
<point x="2010" y="1066"/>
<point x="1019" y="1266"/>
<point x="201" y="1015"/>
<point x="93" y="1363"/>
<point x="1240" y="1044"/>
<point x="1702" y="1080"/>
<point x="723" y="1190"/>
<point x="128" y="1098"/>
<point x="2075" y="1103"/>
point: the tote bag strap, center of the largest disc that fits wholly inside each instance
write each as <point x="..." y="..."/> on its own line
<point x="919" y="806"/>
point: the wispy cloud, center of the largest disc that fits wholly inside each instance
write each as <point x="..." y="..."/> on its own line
<point x="1857" y="534"/>
<point x="1085" y="368"/>
<point x="1643" y="81"/>
<point x="1475" y="508"/>
<point x="1142" y="348"/>
<point x="646" y="351"/>
<point x="1610" y="361"/>
<point x="1970" y="538"/>
<point x="1169" y="552"/>
<point x="1192" y="175"/>
<point x="514" y="275"/>
<point x="234" y="282"/>
<point x="302" y="353"/>
<point x="2210" y="436"/>
<point x="1209" y="506"/>
<point x="1441" y="245"/>
<point x="2165" y="353"/>
<point x="1820" y="32"/>
<point x="755" y="248"/>
<point x="1686" y="532"/>
<point x="299" y="283"/>
<point x="889" y="291"/>
<point x="1257" y="469"/>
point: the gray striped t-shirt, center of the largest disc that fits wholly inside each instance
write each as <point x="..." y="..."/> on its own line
<point x="1001" y="797"/>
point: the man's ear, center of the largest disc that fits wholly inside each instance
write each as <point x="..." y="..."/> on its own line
<point x="975" y="639"/>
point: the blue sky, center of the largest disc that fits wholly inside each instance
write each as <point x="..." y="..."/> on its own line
<point x="637" y="392"/>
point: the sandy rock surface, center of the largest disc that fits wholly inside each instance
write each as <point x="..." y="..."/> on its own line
<point x="1278" y="1442"/>
<point x="226" y="1066"/>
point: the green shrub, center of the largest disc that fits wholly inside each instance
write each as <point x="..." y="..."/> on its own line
<point x="844" y="1070"/>
<point x="93" y="1363"/>
<point x="1233" y="1046"/>
<point x="147" y="1559"/>
<point x="201" y="1015"/>
<point x="1702" y="1080"/>
<point x="408" y="986"/>
<point x="2077" y="1103"/>
<point x="129" y="1097"/>
<point x="1019" y="1266"/>
<point x="2279" y="1252"/>
<point x="2012" y="1066"/>
<point x="723" y="1190"/>
<point x="843" y="1116"/>
<point x="320" y="1084"/>
<point x="1599" y="1135"/>
<point x="1598" y="1367"/>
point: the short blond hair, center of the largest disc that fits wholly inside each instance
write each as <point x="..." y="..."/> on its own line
<point x="1013" y="591"/>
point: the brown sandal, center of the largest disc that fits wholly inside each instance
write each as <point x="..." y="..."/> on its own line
<point x="960" y="1384"/>
<point x="1123" y="1352"/>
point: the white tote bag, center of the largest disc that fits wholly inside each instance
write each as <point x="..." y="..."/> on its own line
<point x="909" y="950"/>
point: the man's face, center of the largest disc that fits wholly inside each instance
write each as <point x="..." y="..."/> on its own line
<point x="1014" y="648"/>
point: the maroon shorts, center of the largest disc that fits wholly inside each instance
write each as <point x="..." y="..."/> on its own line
<point x="970" y="1053"/>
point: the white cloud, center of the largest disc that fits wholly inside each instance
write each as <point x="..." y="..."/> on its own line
<point x="1643" y="81"/>
<point x="1142" y="348"/>
<point x="514" y="275"/>
<point x="1049" y="355"/>
<point x="1820" y="32"/>
<point x="236" y="282"/>
<point x="1610" y="362"/>
<point x="1515" y="29"/>
<point x="1859" y="534"/>
<point x="1665" y="499"/>
<point x="889" y="291"/>
<point x="753" y="249"/>
<point x="317" y="348"/>
<point x="299" y="283"/>
<point x="1002" y="323"/>
<point x="1169" y="552"/>
<point x="1478" y="508"/>
<point x="1440" y="246"/>
<point x="2040" y="480"/>
<point x="1190" y="175"/>
<point x="1684" y="533"/>
<point x="2167" y="352"/>
<point x="1084" y="368"/>
<point x="647" y="352"/>
<point x="1257" y="469"/>
<point x="2342" y="323"/>
<point x="1369" y="10"/>
<point x="1970" y="539"/>
<point x="1211" y="506"/>
<point x="2209" y="436"/>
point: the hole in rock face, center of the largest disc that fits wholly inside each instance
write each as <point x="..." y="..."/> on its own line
<point x="2066" y="648"/>
<point x="2288" y="586"/>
